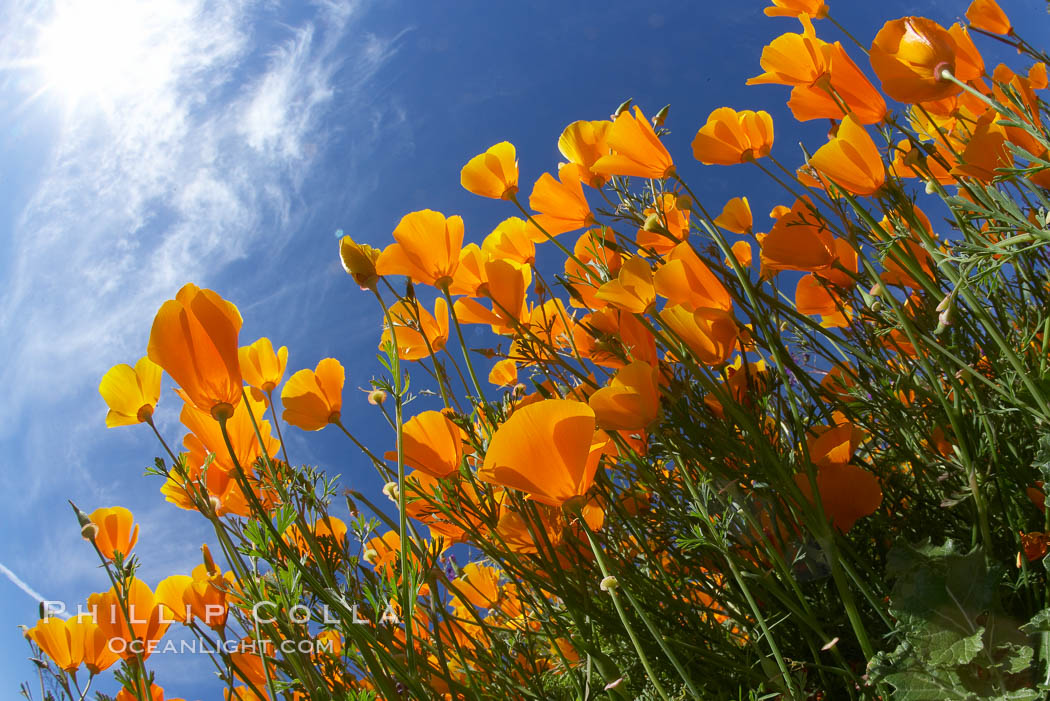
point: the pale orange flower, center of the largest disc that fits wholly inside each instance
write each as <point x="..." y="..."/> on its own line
<point x="736" y="216"/>
<point x="312" y="399"/>
<point x="731" y="137"/>
<point x="359" y="261"/>
<point x="631" y="400"/>
<point x="131" y="393"/>
<point x="797" y="8"/>
<point x="583" y="143"/>
<point x="561" y="203"/>
<point x="493" y="173"/>
<point x="432" y="444"/>
<point x="417" y="331"/>
<point x="261" y="367"/>
<point x="117" y="531"/>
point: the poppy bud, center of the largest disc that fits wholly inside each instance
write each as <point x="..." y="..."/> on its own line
<point x="391" y="491"/>
<point x="653" y="224"/>
<point x="683" y="202"/>
<point x="661" y="116"/>
<point x="608" y="583"/>
<point x="89" y="531"/>
<point x="624" y="106"/>
<point x="376" y="397"/>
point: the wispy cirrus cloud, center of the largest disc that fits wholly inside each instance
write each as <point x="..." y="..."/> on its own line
<point x="195" y="169"/>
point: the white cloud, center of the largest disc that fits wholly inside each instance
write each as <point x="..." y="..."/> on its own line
<point x="197" y="168"/>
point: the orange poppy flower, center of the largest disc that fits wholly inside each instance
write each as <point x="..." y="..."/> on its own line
<point x="194" y="338"/>
<point x="426" y="249"/>
<point x="54" y="636"/>
<point x="260" y="366"/>
<point x="493" y="173"/>
<point x="583" y="143"/>
<point x="479" y="584"/>
<point x="549" y="449"/>
<point x="909" y="55"/>
<point x="969" y="64"/>
<point x="632" y="290"/>
<point x="1037" y="76"/>
<point x="711" y="334"/>
<point x="844" y="81"/>
<point x="312" y="399"/>
<point x="636" y="149"/>
<point x="851" y="160"/>
<point x="741" y="251"/>
<point x="684" y="279"/>
<point x="432" y="444"/>
<point x="798" y="241"/>
<point x="98" y="656"/>
<point x="506" y="284"/>
<point x="504" y="373"/>
<point x="513" y="239"/>
<point x="418" y="332"/>
<point x="793" y="59"/>
<point x="561" y="203"/>
<point x="666" y="225"/>
<point x="149" y="620"/>
<point x="631" y="400"/>
<point x="359" y="261"/>
<point x="847" y="492"/>
<point x="797" y="8"/>
<point x="115" y="531"/>
<point x="131" y="393"/>
<point x="731" y="137"/>
<point x="985" y="151"/>
<point x="987" y="15"/>
<point x="736" y="216"/>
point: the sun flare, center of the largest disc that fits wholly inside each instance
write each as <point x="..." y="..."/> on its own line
<point x="99" y="51"/>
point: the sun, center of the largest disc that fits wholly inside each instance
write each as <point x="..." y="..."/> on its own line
<point x="97" y="50"/>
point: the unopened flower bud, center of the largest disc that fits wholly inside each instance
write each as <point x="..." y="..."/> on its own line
<point x="370" y="556"/>
<point x="653" y="223"/>
<point x="624" y="106"/>
<point x="931" y="187"/>
<point x="944" y="303"/>
<point x="661" y="116"/>
<point x="214" y="503"/>
<point x="376" y="397"/>
<point x="683" y="202"/>
<point x="209" y="563"/>
<point x="89" y="531"/>
<point x="391" y="491"/>
<point x="608" y="583"/>
<point x="877" y="290"/>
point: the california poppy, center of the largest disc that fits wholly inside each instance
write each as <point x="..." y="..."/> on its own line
<point x="549" y="450"/>
<point x="583" y="143"/>
<point x="686" y="280"/>
<point x="504" y="373"/>
<point x="736" y="216"/>
<point x="798" y="241"/>
<point x="631" y="400"/>
<point x="845" y="85"/>
<point x="117" y="531"/>
<point x="194" y="338"/>
<point x="261" y="367"/>
<point x="636" y="149"/>
<point x="731" y="137"/>
<point x="312" y="399"/>
<point x="54" y="637"/>
<point x="909" y="56"/>
<point x="149" y="621"/>
<point x="506" y="284"/>
<point x="426" y="249"/>
<point x="432" y="444"/>
<point x="797" y="8"/>
<point x="240" y="429"/>
<point x="987" y="15"/>
<point x="131" y="392"/>
<point x="359" y="261"/>
<point x="793" y="59"/>
<point x="479" y="584"/>
<point x="493" y="173"/>
<point x="561" y="203"/>
<point x="711" y="334"/>
<point x="851" y="160"/>
<point x="512" y="239"/>
<point x="417" y="331"/>
<point x="632" y="290"/>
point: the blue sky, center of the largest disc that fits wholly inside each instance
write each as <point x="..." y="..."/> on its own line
<point x="225" y="142"/>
